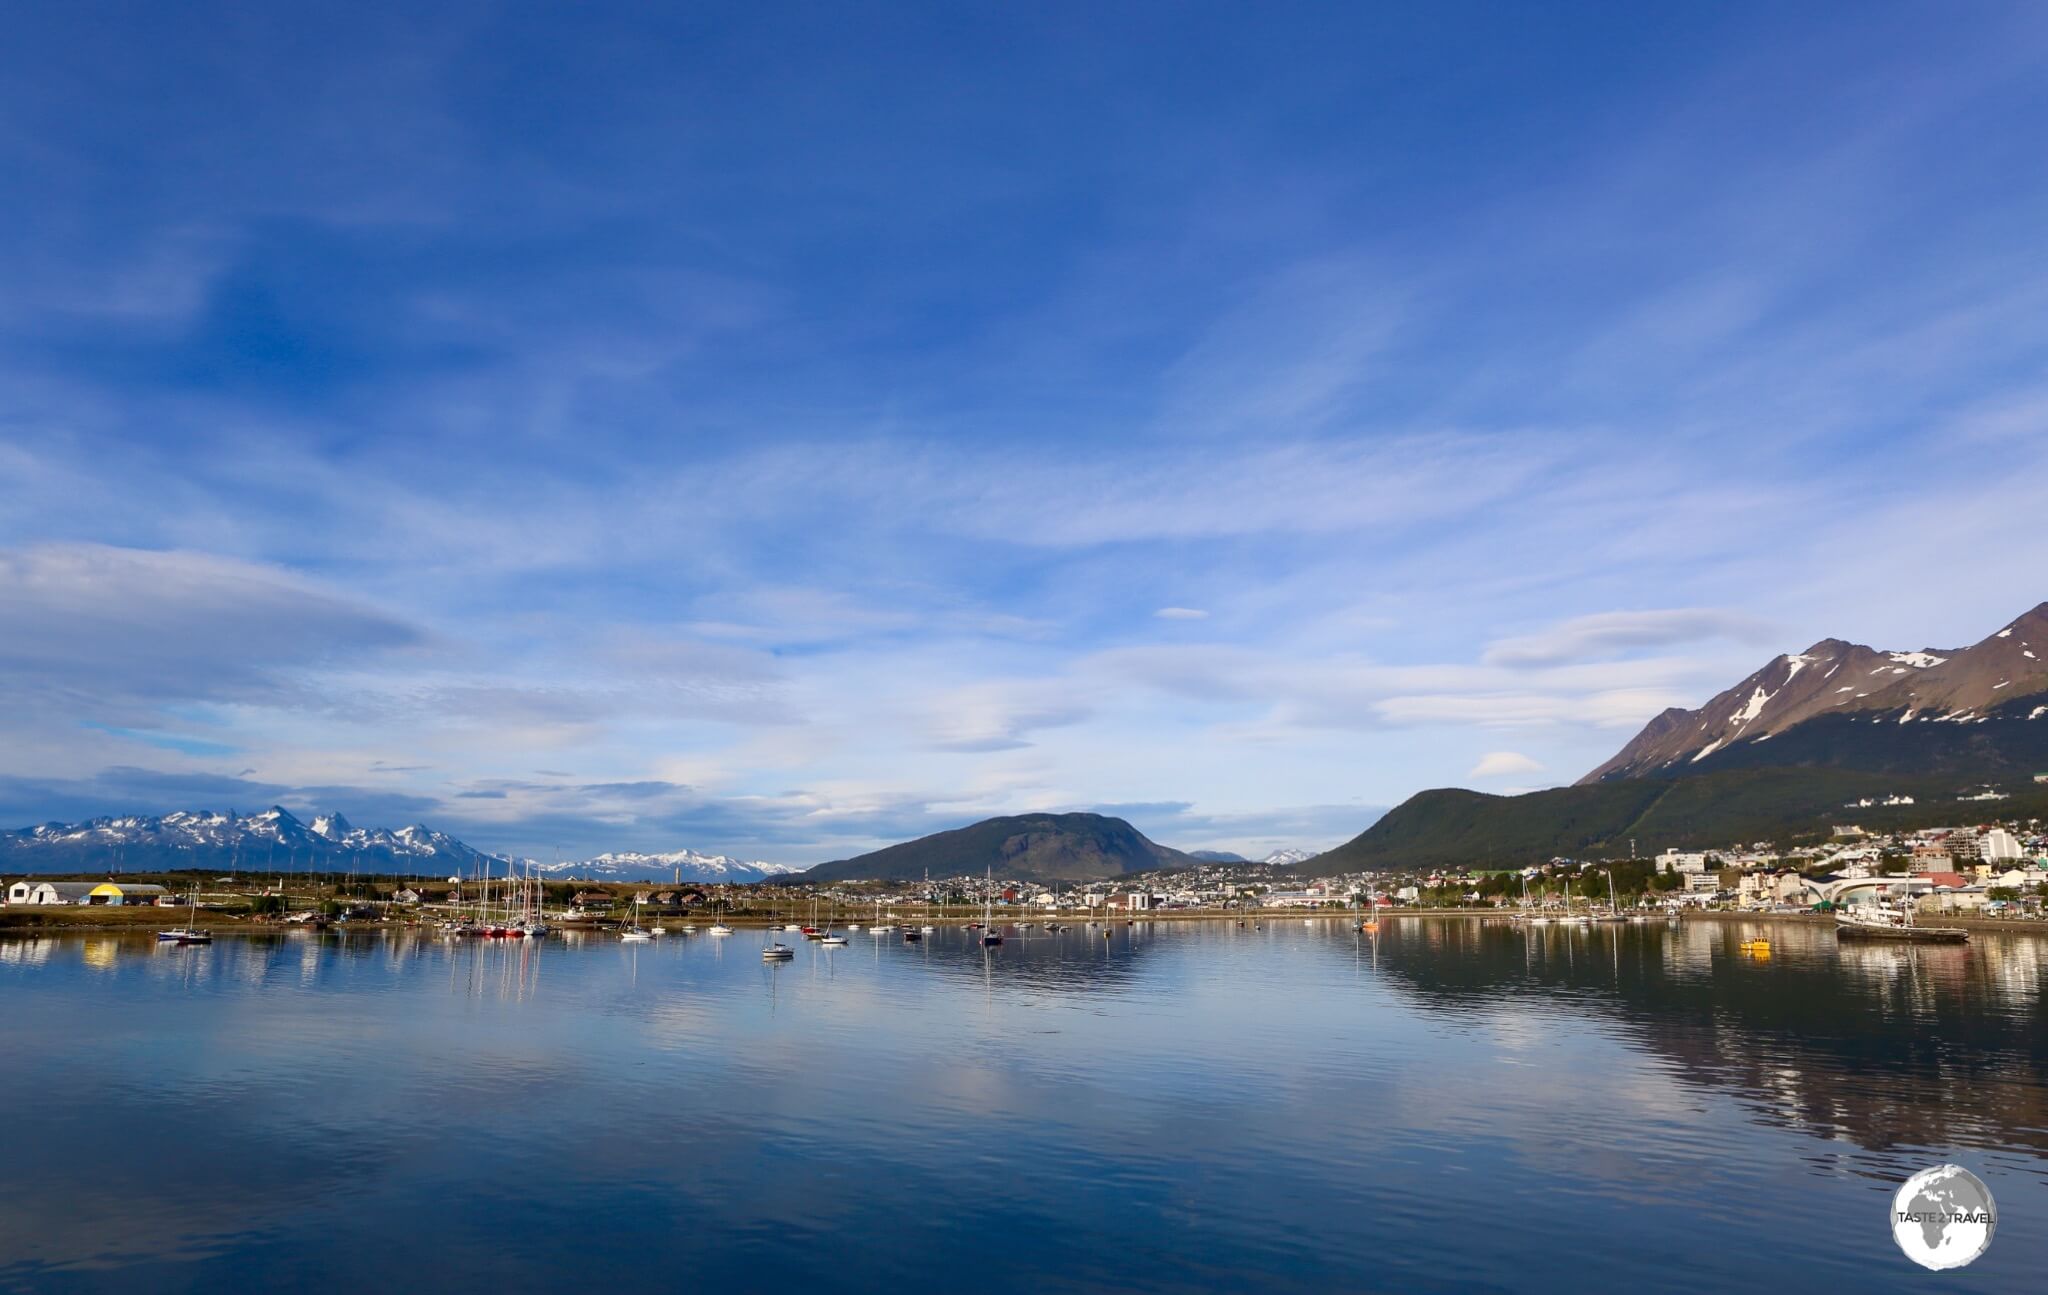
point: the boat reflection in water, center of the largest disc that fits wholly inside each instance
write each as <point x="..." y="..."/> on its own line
<point x="1182" y="1106"/>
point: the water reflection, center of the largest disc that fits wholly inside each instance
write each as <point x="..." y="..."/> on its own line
<point x="1176" y="1106"/>
<point x="1890" y="1047"/>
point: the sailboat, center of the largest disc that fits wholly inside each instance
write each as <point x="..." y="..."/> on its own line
<point x="828" y="939"/>
<point x="776" y="950"/>
<point x="927" y="928"/>
<point x="188" y="933"/>
<point x="1370" y="923"/>
<point x="633" y="934"/>
<point x="1613" y="913"/>
<point x="988" y="912"/>
<point x="878" y="925"/>
<point x="719" y="927"/>
<point x="534" y="926"/>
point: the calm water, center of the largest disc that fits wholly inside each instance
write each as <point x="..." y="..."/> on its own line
<point x="1179" y="1107"/>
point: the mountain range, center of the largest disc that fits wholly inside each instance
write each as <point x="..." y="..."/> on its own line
<point x="684" y="865"/>
<point x="1781" y="754"/>
<point x="1276" y="858"/>
<point x="273" y="839"/>
<point x="1031" y="847"/>
<point x="276" y="839"/>
<point x="1976" y="711"/>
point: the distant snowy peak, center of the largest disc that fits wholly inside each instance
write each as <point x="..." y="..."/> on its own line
<point x="673" y="865"/>
<point x="275" y="838"/>
<point x="1284" y="857"/>
<point x="1834" y="677"/>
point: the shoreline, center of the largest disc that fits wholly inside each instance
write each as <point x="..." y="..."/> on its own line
<point x="67" y="919"/>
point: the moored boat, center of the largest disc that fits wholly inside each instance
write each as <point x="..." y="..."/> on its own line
<point x="1882" y="922"/>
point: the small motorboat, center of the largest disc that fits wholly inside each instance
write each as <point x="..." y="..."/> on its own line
<point x="910" y="936"/>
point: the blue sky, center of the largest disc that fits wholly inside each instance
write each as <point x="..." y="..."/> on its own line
<point x="781" y="430"/>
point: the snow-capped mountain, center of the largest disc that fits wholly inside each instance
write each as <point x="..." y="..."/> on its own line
<point x="274" y="838"/>
<point x="1833" y="685"/>
<point x="1281" y="858"/>
<point x="673" y="865"/>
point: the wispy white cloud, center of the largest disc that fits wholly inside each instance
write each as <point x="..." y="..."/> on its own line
<point x="1505" y="764"/>
<point x="1605" y="634"/>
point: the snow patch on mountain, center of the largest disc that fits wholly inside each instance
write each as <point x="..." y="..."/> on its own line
<point x="1918" y="660"/>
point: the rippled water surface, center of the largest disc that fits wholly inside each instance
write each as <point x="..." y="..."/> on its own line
<point x="1446" y="1106"/>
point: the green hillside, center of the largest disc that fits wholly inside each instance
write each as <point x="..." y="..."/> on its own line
<point x="1452" y="827"/>
<point x="1035" y="847"/>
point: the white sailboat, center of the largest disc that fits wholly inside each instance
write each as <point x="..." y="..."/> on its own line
<point x="633" y="934"/>
<point x="988" y="910"/>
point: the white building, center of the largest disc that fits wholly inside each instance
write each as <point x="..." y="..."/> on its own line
<point x="1682" y="861"/>
<point x="59" y="892"/>
<point x="1998" y="846"/>
<point x="18" y="892"/>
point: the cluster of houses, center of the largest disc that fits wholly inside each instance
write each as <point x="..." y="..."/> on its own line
<point x="1952" y="869"/>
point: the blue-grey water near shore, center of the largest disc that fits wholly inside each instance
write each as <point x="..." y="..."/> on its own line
<point x="1295" y="1107"/>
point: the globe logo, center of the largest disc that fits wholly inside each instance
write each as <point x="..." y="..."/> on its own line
<point x="1943" y="1217"/>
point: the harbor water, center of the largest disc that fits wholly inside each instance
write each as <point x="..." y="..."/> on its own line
<point x="1288" y="1106"/>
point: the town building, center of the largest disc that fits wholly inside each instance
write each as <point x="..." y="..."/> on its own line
<point x="60" y="892"/>
<point x="1999" y="846"/>
<point x="117" y="893"/>
<point x="1682" y="861"/>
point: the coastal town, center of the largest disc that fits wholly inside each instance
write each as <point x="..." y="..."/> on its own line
<point x="1996" y="869"/>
